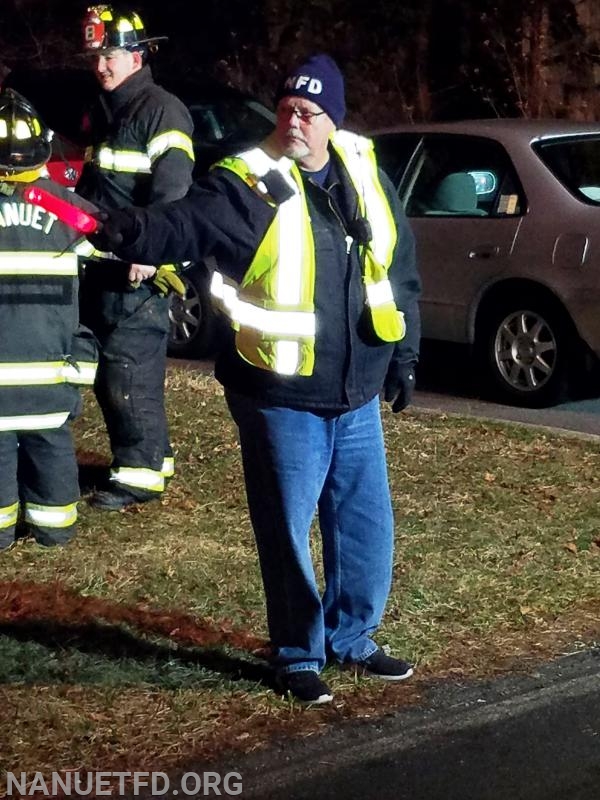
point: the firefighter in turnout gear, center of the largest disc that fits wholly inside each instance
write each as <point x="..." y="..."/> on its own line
<point x="44" y="354"/>
<point x="141" y="153"/>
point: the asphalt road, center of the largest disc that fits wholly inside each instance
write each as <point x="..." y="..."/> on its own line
<point x="524" y="737"/>
<point x="445" y="382"/>
<point x="579" y="416"/>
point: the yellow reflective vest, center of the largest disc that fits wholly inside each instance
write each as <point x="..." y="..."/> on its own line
<point x="272" y="309"/>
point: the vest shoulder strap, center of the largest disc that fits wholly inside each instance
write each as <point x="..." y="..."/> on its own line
<point x="270" y="179"/>
<point x="352" y="141"/>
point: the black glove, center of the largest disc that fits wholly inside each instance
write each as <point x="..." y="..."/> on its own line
<point x="399" y="385"/>
<point x="114" y="229"/>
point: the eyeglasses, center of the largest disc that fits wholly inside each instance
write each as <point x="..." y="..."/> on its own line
<point x="304" y="116"/>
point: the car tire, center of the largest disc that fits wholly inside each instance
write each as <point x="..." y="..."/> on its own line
<point x="192" y="318"/>
<point x="524" y="351"/>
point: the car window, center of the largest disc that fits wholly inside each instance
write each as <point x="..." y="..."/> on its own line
<point x="394" y="151"/>
<point x="576" y="164"/>
<point x="467" y="176"/>
<point x="230" y="119"/>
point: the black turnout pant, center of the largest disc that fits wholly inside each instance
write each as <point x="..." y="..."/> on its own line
<point x="38" y="484"/>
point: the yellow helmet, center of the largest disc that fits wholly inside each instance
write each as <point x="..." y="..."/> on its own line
<point x="24" y="139"/>
<point x="104" y="28"/>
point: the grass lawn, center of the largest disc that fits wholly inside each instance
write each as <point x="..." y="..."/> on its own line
<point x="141" y="644"/>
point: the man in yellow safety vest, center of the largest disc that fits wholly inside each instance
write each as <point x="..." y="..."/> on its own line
<point x="317" y="276"/>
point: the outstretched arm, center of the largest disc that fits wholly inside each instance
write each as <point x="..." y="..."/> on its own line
<point x="220" y="217"/>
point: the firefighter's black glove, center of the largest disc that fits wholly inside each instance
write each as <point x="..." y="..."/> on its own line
<point x="399" y="385"/>
<point x="115" y="228"/>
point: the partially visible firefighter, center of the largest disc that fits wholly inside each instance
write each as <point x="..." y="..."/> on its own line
<point x="44" y="353"/>
<point x="141" y="154"/>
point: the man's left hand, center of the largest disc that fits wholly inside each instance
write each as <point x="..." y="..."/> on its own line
<point x="399" y="385"/>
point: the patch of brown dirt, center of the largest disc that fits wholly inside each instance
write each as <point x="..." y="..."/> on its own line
<point x="53" y="602"/>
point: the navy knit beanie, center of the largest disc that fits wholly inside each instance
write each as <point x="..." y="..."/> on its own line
<point x="320" y="80"/>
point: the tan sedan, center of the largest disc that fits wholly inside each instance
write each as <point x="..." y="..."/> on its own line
<point x="506" y="215"/>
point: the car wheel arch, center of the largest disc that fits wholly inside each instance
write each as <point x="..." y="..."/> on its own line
<point x="505" y="290"/>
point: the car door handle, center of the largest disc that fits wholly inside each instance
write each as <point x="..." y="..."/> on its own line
<point x="484" y="251"/>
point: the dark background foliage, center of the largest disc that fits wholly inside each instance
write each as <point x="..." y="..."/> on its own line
<point x="403" y="59"/>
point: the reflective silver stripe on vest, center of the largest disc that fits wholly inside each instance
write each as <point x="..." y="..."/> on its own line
<point x="287" y="355"/>
<point x="51" y="516"/>
<point x="290" y="276"/>
<point x="354" y="147"/>
<point x="44" y="373"/>
<point x="289" y="285"/>
<point x="140" y="477"/>
<point x="378" y="294"/>
<point x="165" y="141"/>
<point x="123" y="160"/>
<point x="288" y="323"/>
<point x="9" y="515"/>
<point x="291" y="252"/>
<point x="34" y="422"/>
<point x="284" y="323"/>
<point x="224" y="294"/>
<point x="36" y="263"/>
<point x="276" y="323"/>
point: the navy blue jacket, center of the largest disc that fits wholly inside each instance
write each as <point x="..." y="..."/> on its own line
<point x="222" y="217"/>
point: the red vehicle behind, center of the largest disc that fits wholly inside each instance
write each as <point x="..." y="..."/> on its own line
<point x="66" y="161"/>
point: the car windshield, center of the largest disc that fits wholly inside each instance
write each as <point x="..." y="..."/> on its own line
<point x="576" y="164"/>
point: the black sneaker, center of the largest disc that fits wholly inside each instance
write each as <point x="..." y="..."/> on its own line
<point x="384" y="667"/>
<point x="305" y="686"/>
<point x="116" y="499"/>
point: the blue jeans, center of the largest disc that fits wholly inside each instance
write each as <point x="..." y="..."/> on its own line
<point x="295" y="461"/>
